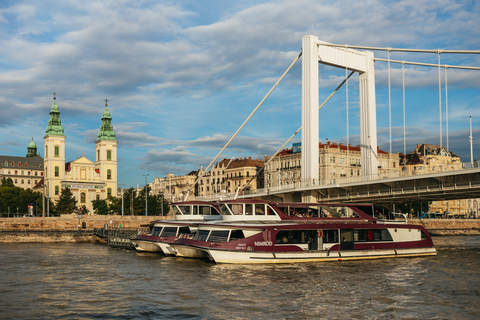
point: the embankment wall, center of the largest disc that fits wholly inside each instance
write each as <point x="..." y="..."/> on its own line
<point x="71" y="229"/>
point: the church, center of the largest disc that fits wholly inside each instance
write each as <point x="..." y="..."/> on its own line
<point x="86" y="179"/>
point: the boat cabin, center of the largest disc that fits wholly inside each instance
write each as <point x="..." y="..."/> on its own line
<point x="196" y="210"/>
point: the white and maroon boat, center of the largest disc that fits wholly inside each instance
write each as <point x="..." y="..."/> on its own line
<point x="323" y="233"/>
<point x="163" y="232"/>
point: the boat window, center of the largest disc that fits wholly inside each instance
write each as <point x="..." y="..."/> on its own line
<point x="330" y="236"/>
<point x="248" y="209"/>
<point x="169" y="232"/>
<point x="185" y="209"/>
<point x="204" y="210"/>
<point x="218" y="236"/>
<point x="237" y="209"/>
<point x="176" y="210"/>
<point x="203" y="235"/>
<point x="225" y="210"/>
<point x="184" y="230"/>
<point x="424" y="235"/>
<point x="236" y="235"/>
<point x="259" y="209"/>
<point x="372" y="235"/>
<point x="195" y="209"/>
<point x="156" y="231"/>
<point x="270" y="211"/>
<point x="346" y="235"/>
<point x="294" y="236"/>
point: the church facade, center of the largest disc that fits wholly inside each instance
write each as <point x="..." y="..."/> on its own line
<point x="86" y="179"/>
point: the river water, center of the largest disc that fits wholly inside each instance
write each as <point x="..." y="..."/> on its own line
<point x="92" y="281"/>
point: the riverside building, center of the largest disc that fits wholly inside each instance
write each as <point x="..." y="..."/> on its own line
<point x="25" y="172"/>
<point x="338" y="163"/>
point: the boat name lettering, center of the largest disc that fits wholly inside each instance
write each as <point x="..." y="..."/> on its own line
<point x="242" y="244"/>
<point x="263" y="243"/>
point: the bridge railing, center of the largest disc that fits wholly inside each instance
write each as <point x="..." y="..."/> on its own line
<point x="335" y="181"/>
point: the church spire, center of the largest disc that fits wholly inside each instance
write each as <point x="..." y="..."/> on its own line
<point x="54" y="124"/>
<point x="106" y="129"/>
<point x="31" y="149"/>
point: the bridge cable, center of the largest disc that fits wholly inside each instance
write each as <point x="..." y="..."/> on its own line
<point x="404" y="129"/>
<point x="238" y="130"/>
<point x="440" y="97"/>
<point x="446" y="105"/>
<point x="348" y="132"/>
<point x="298" y="130"/>
<point x="389" y="107"/>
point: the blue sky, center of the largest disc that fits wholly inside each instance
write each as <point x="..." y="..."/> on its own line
<point x="182" y="76"/>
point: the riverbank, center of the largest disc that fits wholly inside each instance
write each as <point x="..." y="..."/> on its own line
<point x="71" y="229"/>
<point x="67" y="228"/>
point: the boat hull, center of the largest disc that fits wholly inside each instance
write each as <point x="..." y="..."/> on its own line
<point x="258" y="257"/>
<point x="166" y="248"/>
<point x="145" y="246"/>
<point x="189" y="251"/>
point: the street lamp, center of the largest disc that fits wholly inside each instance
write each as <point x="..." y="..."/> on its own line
<point x="471" y="143"/>
<point x="146" y="191"/>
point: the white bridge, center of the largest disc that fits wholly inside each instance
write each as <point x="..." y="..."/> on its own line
<point x="370" y="186"/>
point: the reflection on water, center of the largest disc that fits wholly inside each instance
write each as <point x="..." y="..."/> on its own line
<point x="87" y="281"/>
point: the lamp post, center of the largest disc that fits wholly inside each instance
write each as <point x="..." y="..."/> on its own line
<point x="471" y="143"/>
<point x="146" y="193"/>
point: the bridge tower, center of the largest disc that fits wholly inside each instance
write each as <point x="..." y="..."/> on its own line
<point x="315" y="51"/>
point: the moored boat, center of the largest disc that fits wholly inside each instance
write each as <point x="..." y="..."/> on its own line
<point x="163" y="232"/>
<point x="352" y="234"/>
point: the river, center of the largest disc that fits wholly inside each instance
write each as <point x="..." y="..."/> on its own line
<point x="92" y="281"/>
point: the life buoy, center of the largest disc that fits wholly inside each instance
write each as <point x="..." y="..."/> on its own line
<point x="320" y="233"/>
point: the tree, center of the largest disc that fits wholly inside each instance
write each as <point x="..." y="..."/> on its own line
<point x="67" y="203"/>
<point x="114" y="205"/>
<point x="7" y="182"/>
<point x="100" y="207"/>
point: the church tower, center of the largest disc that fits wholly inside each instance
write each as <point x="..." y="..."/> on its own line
<point x="106" y="152"/>
<point x="31" y="149"/>
<point x="54" y="141"/>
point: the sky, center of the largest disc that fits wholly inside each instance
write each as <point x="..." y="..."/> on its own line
<point x="182" y="76"/>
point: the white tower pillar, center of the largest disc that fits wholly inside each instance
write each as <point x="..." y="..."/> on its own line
<point x="314" y="52"/>
<point x="310" y="162"/>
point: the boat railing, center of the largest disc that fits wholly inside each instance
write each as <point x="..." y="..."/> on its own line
<point x="217" y="239"/>
<point x="168" y="234"/>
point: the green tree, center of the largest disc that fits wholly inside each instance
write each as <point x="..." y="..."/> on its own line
<point x="67" y="203"/>
<point x="7" y="182"/>
<point x="114" y="205"/>
<point x="100" y="207"/>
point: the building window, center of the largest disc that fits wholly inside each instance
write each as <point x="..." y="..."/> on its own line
<point x="6" y="163"/>
<point x="109" y="155"/>
<point x="98" y="155"/>
<point x="36" y="181"/>
<point x="82" y="197"/>
<point x="36" y="173"/>
<point x="57" y="151"/>
<point x="16" y="181"/>
<point x="29" y="172"/>
<point x="22" y="181"/>
<point x="98" y="196"/>
<point x="13" y="164"/>
<point x="109" y="174"/>
<point x="26" y="165"/>
<point x="28" y="181"/>
<point x="109" y="192"/>
<point x="56" y="190"/>
<point x="56" y="171"/>
<point x="19" y="164"/>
